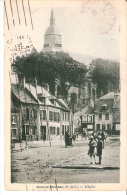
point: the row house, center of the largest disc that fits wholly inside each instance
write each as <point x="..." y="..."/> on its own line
<point x="87" y="118"/>
<point x="107" y="112"/>
<point x="23" y="112"/>
<point x="41" y="115"/>
<point x="104" y="114"/>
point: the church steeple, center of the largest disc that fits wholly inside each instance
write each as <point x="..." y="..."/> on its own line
<point x="52" y="37"/>
<point x="52" y="18"/>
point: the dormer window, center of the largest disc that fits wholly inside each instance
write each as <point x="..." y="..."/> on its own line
<point x="104" y="107"/>
<point x="42" y="99"/>
<point x="53" y="101"/>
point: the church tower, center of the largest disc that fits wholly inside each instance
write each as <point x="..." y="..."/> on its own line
<point x="52" y="37"/>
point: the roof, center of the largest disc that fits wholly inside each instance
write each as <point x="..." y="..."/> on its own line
<point x="107" y="102"/>
<point x="63" y="103"/>
<point x="99" y="105"/>
<point x="39" y="90"/>
<point x="22" y="94"/>
<point x="107" y="96"/>
<point x="52" y="29"/>
<point x="44" y="93"/>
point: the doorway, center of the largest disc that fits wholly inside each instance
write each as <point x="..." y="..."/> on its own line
<point x="43" y="133"/>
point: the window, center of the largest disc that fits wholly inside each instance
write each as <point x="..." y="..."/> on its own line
<point x="27" y="130"/>
<point x="58" y="131"/>
<point x="98" y="126"/>
<point x="103" y="127"/>
<point x="46" y="45"/>
<point x="54" y="130"/>
<point x="53" y="101"/>
<point x="27" y="114"/>
<point x="67" y="116"/>
<point x="58" y="116"/>
<point x="51" y="115"/>
<point x="100" y="116"/>
<point x="33" y="113"/>
<point x="43" y="100"/>
<point x="107" y="116"/>
<point x="84" y="118"/>
<point x="90" y="118"/>
<point x="55" y="116"/>
<point x="67" y="128"/>
<point x="13" y="132"/>
<point x="108" y="127"/>
<point x="13" y="119"/>
<point x="63" y="116"/>
<point x="43" y="114"/>
<point x="58" y="45"/>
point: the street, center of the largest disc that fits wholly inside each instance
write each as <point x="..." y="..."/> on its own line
<point x="40" y="163"/>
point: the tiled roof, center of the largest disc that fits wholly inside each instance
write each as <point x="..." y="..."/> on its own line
<point x="38" y="90"/>
<point x="63" y="103"/>
<point x="22" y="94"/>
<point x="99" y="105"/>
<point x="43" y="92"/>
<point x="107" y="102"/>
<point x="107" y="96"/>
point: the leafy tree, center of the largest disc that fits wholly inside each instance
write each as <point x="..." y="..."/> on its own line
<point x="105" y="74"/>
<point x="48" y="66"/>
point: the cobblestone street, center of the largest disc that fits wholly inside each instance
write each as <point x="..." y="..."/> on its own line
<point x="40" y="163"/>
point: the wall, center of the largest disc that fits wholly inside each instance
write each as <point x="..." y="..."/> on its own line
<point x="103" y="121"/>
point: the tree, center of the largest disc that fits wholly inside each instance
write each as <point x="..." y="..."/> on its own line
<point x="105" y="74"/>
<point x="48" y="66"/>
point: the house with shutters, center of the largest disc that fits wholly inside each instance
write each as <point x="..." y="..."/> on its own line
<point x="37" y="114"/>
<point x="107" y="113"/>
<point x="103" y="114"/>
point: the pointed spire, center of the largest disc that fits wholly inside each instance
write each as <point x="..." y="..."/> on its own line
<point x="52" y="18"/>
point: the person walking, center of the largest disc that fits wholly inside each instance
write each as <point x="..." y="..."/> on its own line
<point x="91" y="152"/>
<point x="99" y="149"/>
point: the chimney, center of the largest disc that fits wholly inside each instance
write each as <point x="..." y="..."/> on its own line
<point x="116" y="97"/>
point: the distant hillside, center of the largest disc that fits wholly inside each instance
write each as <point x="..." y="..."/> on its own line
<point x="86" y="59"/>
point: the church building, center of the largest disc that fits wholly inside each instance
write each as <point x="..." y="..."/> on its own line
<point x="52" y="37"/>
<point x="78" y="96"/>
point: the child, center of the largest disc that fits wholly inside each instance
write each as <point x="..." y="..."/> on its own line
<point x="91" y="151"/>
<point x="99" y="149"/>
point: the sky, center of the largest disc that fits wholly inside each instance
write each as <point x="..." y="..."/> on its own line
<point x="89" y="27"/>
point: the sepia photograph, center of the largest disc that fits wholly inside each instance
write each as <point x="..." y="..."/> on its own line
<point x="63" y="82"/>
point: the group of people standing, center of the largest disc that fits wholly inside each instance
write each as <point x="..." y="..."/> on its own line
<point x="96" y="145"/>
